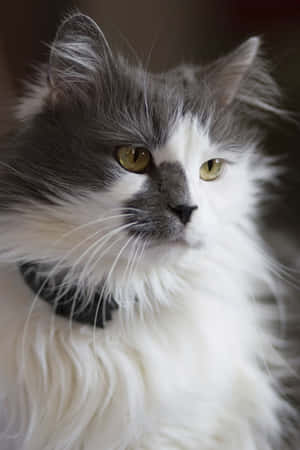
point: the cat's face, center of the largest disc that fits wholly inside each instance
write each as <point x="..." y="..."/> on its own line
<point x="110" y="163"/>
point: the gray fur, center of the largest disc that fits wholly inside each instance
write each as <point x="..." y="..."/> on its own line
<point x="165" y="188"/>
<point x="98" y="102"/>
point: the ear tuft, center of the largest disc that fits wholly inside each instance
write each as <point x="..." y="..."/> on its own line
<point x="226" y="75"/>
<point x="78" y="53"/>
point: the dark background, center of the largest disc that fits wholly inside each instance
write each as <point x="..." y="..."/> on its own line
<point x="164" y="33"/>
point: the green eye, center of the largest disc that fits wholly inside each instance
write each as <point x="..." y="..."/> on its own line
<point x="134" y="159"/>
<point x="211" y="169"/>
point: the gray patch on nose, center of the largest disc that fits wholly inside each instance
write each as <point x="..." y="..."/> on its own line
<point x="166" y="188"/>
<point x="174" y="185"/>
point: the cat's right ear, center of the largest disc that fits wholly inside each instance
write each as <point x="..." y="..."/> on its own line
<point x="79" y="59"/>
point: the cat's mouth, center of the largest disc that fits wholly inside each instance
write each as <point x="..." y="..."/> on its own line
<point x="163" y="224"/>
<point x="182" y="242"/>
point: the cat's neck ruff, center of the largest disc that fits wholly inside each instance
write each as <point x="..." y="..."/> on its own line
<point x="162" y="284"/>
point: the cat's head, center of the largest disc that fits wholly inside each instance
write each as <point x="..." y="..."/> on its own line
<point x="111" y="165"/>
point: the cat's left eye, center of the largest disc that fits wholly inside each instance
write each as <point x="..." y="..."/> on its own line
<point x="134" y="159"/>
<point x="211" y="169"/>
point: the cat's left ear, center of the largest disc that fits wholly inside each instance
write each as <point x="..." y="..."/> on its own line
<point x="79" y="57"/>
<point x="225" y="76"/>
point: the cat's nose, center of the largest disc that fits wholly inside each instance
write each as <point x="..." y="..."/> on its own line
<point x="184" y="212"/>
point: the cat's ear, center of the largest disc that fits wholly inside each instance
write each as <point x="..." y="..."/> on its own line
<point x="79" y="55"/>
<point x="225" y="76"/>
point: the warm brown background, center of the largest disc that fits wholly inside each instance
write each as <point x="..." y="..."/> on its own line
<point x="164" y="33"/>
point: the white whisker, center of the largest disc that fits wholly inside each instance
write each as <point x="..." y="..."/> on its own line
<point x="106" y="283"/>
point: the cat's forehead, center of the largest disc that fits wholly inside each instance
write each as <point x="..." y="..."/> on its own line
<point x="148" y="110"/>
<point x="188" y="140"/>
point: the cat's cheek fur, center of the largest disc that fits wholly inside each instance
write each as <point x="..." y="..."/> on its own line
<point x="127" y="186"/>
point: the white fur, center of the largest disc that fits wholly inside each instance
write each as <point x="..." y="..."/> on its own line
<point x="192" y="365"/>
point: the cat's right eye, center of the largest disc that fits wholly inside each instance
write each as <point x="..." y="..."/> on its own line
<point x="134" y="159"/>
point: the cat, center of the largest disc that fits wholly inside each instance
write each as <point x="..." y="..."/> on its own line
<point x="133" y="274"/>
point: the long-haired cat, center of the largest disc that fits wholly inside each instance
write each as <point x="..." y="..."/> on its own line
<point x="132" y="269"/>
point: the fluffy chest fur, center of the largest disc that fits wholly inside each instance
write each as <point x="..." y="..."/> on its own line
<point x="194" y="377"/>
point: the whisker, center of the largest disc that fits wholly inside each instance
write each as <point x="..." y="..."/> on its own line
<point x="128" y="263"/>
<point x="81" y="256"/>
<point x="140" y="308"/>
<point x="25" y="329"/>
<point x="94" y="254"/>
<point x="16" y="172"/>
<point x="84" y="272"/>
<point x="55" y="268"/>
<point x="113" y="266"/>
<point x="36" y="297"/>
<point x="117" y="258"/>
<point x="143" y="247"/>
<point x="127" y="208"/>
<point x="87" y="268"/>
<point x="79" y="282"/>
<point x="129" y="310"/>
<point x="133" y="259"/>
<point x="93" y="222"/>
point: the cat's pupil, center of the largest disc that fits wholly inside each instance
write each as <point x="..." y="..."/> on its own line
<point x="135" y="155"/>
<point x="210" y="164"/>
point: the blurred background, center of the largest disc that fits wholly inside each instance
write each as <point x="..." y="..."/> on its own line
<point x="164" y="33"/>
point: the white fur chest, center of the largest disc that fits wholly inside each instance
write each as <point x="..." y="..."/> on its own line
<point x="181" y="378"/>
